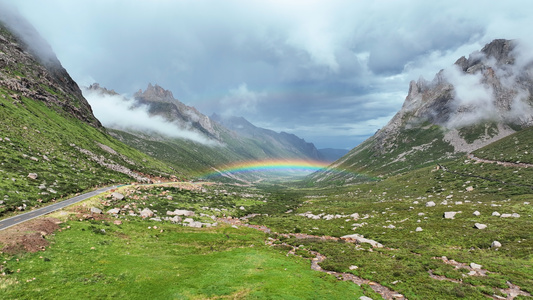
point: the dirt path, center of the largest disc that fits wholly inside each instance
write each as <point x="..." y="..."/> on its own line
<point x="502" y="163"/>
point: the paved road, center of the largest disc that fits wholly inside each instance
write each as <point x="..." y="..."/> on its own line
<point x="48" y="209"/>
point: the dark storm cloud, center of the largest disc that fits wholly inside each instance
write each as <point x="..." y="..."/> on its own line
<point x="324" y="70"/>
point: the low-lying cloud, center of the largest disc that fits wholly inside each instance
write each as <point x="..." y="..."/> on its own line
<point x="499" y="92"/>
<point x="119" y="112"/>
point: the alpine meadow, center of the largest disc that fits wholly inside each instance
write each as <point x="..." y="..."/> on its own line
<point x="118" y="189"/>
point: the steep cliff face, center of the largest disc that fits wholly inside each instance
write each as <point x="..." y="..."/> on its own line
<point x="478" y="100"/>
<point x="29" y="68"/>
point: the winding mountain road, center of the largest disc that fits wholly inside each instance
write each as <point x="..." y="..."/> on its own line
<point x="6" y="223"/>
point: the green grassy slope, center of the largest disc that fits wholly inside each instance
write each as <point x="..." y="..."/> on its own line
<point x="37" y="139"/>
<point x="416" y="147"/>
<point x="198" y="159"/>
<point x="514" y="148"/>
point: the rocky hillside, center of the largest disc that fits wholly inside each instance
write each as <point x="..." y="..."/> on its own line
<point x="478" y="100"/>
<point x="51" y="144"/>
<point x="29" y="68"/>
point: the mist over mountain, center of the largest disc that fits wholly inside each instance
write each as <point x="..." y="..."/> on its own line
<point x="478" y="100"/>
<point x="31" y="69"/>
<point x="153" y="111"/>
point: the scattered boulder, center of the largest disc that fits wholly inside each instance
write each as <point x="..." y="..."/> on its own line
<point x="496" y="244"/>
<point x="96" y="210"/>
<point x="33" y="176"/>
<point x="515" y="215"/>
<point x="195" y="224"/>
<point x="352" y="267"/>
<point x="450" y="214"/>
<point x="496" y="214"/>
<point x="117" y="222"/>
<point x="430" y="204"/>
<point x="476" y="213"/>
<point x="113" y="211"/>
<point x="475" y="266"/>
<point x="146" y="213"/>
<point x="361" y="239"/>
<point x="175" y="219"/>
<point x="505" y="215"/>
<point x="480" y="226"/>
<point x="354" y="216"/>
<point x="469" y="188"/>
<point x="181" y="212"/>
<point x="418" y="229"/>
<point x="117" y="196"/>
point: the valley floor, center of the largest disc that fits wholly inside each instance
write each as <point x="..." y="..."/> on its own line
<point x="428" y="234"/>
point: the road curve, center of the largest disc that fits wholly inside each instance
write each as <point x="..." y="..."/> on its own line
<point x="6" y="223"/>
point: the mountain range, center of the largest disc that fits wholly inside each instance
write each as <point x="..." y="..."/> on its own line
<point x="193" y="143"/>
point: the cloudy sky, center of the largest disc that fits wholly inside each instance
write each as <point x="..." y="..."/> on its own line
<point x="332" y="72"/>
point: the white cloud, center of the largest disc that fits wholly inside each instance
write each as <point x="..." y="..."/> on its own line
<point x="119" y="112"/>
<point x="240" y="101"/>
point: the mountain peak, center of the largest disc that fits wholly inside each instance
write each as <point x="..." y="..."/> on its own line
<point x="499" y="49"/>
<point x="155" y="93"/>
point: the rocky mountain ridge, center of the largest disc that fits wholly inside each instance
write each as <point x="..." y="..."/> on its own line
<point x="477" y="101"/>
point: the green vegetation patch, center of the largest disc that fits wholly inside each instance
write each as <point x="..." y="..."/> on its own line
<point x="97" y="260"/>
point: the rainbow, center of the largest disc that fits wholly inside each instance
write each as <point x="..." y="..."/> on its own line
<point x="271" y="165"/>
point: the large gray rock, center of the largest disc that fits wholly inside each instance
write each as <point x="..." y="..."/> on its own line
<point x="96" y="210"/>
<point x="181" y="212"/>
<point x="33" y="176"/>
<point x="146" y="213"/>
<point x="496" y="244"/>
<point x="430" y="204"/>
<point x="114" y="211"/>
<point x="361" y="240"/>
<point x="475" y="266"/>
<point x="117" y="196"/>
<point x="450" y="214"/>
<point x="175" y="219"/>
<point x="480" y="226"/>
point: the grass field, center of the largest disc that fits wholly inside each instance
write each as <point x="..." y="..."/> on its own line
<point x="137" y="261"/>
